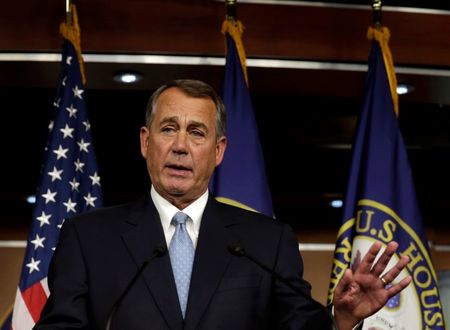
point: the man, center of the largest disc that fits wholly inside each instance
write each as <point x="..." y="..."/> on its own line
<point x="100" y="252"/>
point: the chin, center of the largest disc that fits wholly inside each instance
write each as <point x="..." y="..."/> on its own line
<point x="177" y="192"/>
<point x="177" y="189"/>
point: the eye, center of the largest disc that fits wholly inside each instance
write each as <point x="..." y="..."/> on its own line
<point x="197" y="133"/>
<point x="168" y="129"/>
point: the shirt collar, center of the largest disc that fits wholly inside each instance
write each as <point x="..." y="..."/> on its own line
<point x="167" y="210"/>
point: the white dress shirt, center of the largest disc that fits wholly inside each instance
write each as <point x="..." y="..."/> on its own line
<point x="166" y="212"/>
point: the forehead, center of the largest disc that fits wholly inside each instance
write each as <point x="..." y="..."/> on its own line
<point x="174" y="102"/>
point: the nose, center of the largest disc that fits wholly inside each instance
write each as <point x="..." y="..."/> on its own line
<point x="180" y="143"/>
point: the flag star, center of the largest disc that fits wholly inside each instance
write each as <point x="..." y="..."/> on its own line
<point x="72" y="111"/>
<point x="70" y="206"/>
<point x="83" y="145"/>
<point x="90" y="200"/>
<point x="50" y="125"/>
<point x="49" y="196"/>
<point x="95" y="179"/>
<point x="63" y="82"/>
<point x="74" y="184"/>
<point x="67" y="131"/>
<point x="77" y="92"/>
<point x="38" y="242"/>
<point x="87" y="125"/>
<point x="43" y="219"/>
<point x="33" y="265"/>
<point x="61" y="153"/>
<point x="55" y="174"/>
<point x="56" y="102"/>
<point x="69" y="60"/>
<point x="79" y="165"/>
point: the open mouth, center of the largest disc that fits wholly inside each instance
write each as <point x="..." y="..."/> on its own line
<point x="178" y="168"/>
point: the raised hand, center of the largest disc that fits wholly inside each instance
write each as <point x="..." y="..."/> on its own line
<point x="364" y="291"/>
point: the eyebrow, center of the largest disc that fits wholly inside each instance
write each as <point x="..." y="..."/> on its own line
<point x="173" y="119"/>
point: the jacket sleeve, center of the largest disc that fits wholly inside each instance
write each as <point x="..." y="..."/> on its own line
<point x="294" y="306"/>
<point x="66" y="306"/>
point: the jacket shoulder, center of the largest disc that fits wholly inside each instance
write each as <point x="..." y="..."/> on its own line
<point x="107" y="216"/>
<point x="245" y="218"/>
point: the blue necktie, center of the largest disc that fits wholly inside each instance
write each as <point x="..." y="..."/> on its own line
<point x="181" y="253"/>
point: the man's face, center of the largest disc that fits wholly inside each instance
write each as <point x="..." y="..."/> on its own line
<point x="180" y="146"/>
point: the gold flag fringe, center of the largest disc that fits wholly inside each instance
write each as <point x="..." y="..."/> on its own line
<point x="71" y="31"/>
<point x="235" y="29"/>
<point x="382" y="35"/>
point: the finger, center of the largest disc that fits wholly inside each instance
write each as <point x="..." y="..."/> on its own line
<point x="384" y="259"/>
<point x="394" y="271"/>
<point x="369" y="258"/>
<point x="396" y="288"/>
<point x="344" y="282"/>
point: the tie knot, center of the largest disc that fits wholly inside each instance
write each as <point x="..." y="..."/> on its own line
<point x="179" y="218"/>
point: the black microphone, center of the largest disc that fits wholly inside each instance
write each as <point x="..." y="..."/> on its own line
<point x="158" y="252"/>
<point x="239" y="251"/>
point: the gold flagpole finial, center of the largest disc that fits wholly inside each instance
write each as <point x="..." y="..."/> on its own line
<point x="376" y="8"/>
<point x="231" y="9"/>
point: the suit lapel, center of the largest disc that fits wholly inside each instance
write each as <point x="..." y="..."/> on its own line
<point x="211" y="261"/>
<point x="141" y="241"/>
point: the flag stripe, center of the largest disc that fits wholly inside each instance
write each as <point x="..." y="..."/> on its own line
<point x="34" y="298"/>
<point x="21" y="318"/>
<point x="44" y="286"/>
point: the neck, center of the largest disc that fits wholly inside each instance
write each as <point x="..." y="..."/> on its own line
<point x="180" y="203"/>
<point x="177" y="200"/>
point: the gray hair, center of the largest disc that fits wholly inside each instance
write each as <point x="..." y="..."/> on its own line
<point x="192" y="88"/>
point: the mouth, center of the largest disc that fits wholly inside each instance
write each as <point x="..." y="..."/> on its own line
<point x="178" y="169"/>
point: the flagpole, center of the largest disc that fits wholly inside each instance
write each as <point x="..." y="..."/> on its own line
<point x="231" y="9"/>
<point x="376" y="6"/>
<point x="68" y="14"/>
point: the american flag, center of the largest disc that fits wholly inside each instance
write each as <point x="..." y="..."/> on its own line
<point x="69" y="184"/>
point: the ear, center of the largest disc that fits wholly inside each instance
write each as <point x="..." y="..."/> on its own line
<point x="144" y="136"/>
<point x="221" y="145"/>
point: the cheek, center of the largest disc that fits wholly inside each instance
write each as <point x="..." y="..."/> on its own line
<point x="206" y="162"/>
<point x="154" y="158"/>
<point x="157" y="148"/>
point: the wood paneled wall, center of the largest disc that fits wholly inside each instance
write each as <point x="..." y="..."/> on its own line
<point x="193" y="27"/>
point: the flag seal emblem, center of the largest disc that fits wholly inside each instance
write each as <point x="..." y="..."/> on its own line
<point x="420" y="301"/>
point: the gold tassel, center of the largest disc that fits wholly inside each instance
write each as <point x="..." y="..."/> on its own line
<point x="382" y="35"/>
<point x="71" y="31"/>
<point x="235" y="30"/>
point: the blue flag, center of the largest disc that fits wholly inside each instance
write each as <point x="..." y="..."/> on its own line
<point x="69" y="184"/>
<point x="381" y="205"/>
<point x="241" y="179"/>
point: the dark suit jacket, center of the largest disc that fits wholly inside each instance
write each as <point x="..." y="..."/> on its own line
<point x="99" y="252"/>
